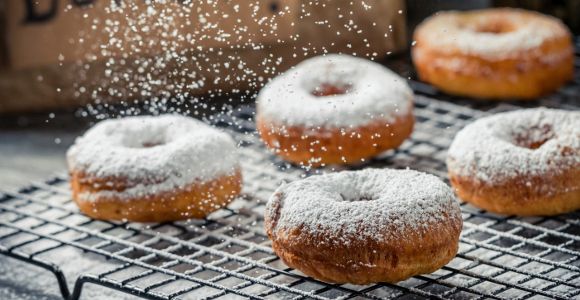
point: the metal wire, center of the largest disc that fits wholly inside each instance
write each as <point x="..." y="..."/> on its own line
<point x="228" y="254"/>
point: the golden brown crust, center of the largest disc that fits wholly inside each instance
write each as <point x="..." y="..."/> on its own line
<point x="525" y="75"/>
<point x="366" y="261"/>
<point x="537" y="196"/>
<point x="194" y="201"/>
<point x="318" y="146"/>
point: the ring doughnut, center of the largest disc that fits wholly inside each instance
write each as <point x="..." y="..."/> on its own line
<point x="334" y="109"/>
<point x="153" y="169"/>
<point x="523" y="162"/>
<point x="364" y="226"/>
<point x="498" y="53"/>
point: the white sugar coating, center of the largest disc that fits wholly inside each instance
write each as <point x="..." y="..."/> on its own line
<point x="374" y="93"/>
<point x="153" y="154"/>
<point x="337" y="205"/>
<point x="496" y="148"/>
<point x="451" y="31"/>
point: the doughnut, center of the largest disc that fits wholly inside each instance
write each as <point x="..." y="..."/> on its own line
<point x="498" y="53"/>
<point x="525" y="162"/>
<point x="334" y="109"/>
<point x="361" y="227"/>
<point x="153" y="169"/>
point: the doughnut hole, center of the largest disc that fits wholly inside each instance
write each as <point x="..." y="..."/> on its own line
<point x="534" y="137"/>
<point x="151" y="144"/>
<point x="138" y="142"/>
<point x="362" y="197"/>
<point x="495" y="27"/>
<point x="326" y="89"/>
<point x="491" y="26"/>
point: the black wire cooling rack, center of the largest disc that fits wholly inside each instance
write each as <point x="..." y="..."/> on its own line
<point x="228" y="256"/>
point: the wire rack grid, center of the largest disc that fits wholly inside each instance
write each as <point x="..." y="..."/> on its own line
<point x="228" y="256"/>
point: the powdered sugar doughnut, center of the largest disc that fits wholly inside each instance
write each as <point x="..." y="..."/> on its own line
<point x="524" y="162"/>
<point x="335" y="109"/>
<point x="153" y="169"/>
<point x="364" y="226"/>
<point x="494" y="53"/>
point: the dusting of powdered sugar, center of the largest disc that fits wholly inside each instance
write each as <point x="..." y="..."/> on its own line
<point x="453" y="30"/>
<point x="497" y="147"/>
<point x="371" y="204"/>
<point x="374" y="92"/>
<point x="153" y="154"/>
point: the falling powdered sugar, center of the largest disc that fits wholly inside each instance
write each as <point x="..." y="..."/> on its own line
<point x="371" y="204"/>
